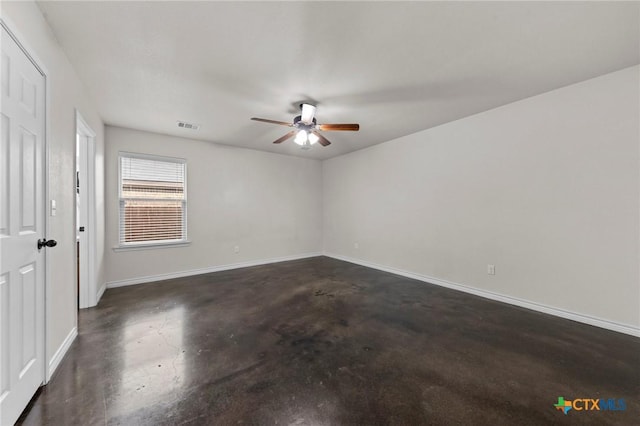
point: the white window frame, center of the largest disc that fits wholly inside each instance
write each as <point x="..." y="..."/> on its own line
<point x="143" y="245"/>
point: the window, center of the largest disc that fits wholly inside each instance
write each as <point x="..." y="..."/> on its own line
<point x="153" y="200"/>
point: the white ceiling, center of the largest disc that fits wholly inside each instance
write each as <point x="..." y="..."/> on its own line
<point x="394" y="67"/>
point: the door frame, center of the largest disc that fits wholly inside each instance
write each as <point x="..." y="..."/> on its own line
<point x="88" y="290"/>
<point x="20" y="40"/>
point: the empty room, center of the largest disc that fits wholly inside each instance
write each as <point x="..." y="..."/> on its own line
<point x="319" y="213"/>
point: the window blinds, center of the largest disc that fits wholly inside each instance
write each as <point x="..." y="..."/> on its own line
<point x="152" y="200"/>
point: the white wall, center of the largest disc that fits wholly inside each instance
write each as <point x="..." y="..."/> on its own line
<point x="66" y="94"/>
<point x="546" y="189"/>
<point x="267" y="204"/>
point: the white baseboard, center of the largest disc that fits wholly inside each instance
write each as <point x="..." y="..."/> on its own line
<point x="181" y="274"/>
<point x="101" y="292"/>
<point x="61" y="352"/>
<point x="597" y="322"/>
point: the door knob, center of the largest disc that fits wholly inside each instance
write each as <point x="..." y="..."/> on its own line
<point x="46" y="243"/>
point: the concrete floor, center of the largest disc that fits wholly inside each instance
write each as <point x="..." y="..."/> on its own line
<point x="320" y="341"/>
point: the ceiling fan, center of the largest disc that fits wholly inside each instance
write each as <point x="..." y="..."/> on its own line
<point x="306" y="128"/>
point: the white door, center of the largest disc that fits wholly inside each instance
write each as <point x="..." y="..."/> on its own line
<point x="82" y="220"/>
<point x="85" y="211"/>
<point x="21" y="225"/>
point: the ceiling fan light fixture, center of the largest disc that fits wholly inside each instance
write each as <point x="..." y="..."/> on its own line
<point x="305" y="128"/>
<point x="313" y="138"/>
<point x="301" y="137"/>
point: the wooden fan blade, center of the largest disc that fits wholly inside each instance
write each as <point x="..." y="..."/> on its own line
<point x="336" y="127"/>
<point x="285" y="137"/>
<point x="264" y="120"/>
<point x="321" y="139"/>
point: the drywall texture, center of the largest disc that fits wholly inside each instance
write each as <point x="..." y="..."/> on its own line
<point x="269" y="205"/>
<point x="546" y="189"/>
<point x="66" y="93"/>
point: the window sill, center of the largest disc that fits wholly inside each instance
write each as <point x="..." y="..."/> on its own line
<point x="134" y="247"/>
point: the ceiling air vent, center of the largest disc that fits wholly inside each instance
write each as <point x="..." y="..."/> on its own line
<point x="185" y="125"/>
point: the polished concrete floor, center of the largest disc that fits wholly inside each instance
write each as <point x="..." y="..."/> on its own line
<point x="324" y="342"/>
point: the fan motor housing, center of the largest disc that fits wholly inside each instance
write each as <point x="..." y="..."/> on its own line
<point x="297" y="123"/>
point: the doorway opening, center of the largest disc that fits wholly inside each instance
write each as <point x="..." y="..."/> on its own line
<point x="85" y="229"/>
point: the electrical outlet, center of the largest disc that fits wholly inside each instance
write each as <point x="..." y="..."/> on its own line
<point x="236" y="249"/>
<point x="491" y="269"/>
<point x="356" y="246"/>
